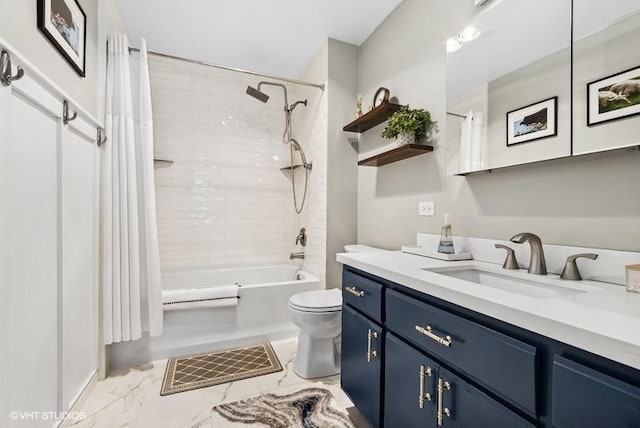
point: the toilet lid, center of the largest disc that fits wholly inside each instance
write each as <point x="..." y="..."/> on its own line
<point x="317" y="301"/>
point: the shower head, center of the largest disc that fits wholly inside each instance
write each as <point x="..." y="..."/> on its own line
<point x="261" y="96"/>
<point x="257" y="94"/>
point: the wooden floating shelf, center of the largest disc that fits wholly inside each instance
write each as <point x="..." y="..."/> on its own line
<point x="372" y="118"/>
<point x="394" y="155"/>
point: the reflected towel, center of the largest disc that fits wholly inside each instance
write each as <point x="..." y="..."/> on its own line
<point x="471" y="142"/>
<point x="206" y="297"/>
<point x="465" y="142"/>
<point x="476" y="152"/>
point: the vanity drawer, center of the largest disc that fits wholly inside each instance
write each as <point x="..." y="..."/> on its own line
<point x="363" y="294"/>
<point x="583" y="397"/>
<point x="500" y="363"/>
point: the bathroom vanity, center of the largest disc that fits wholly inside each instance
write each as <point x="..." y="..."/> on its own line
<point x="423" y="349"/>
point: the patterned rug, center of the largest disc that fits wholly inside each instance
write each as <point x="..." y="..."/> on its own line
<point x="213" y="368"/>
<point x="306" y="408"/>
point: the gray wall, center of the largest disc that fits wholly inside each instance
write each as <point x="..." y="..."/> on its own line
<point x="18" y="24"/>
<point x="587" y="201"/>
<point x="342" y="174"/>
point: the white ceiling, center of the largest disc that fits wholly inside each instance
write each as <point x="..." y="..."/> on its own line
<point x="277" y="37"/>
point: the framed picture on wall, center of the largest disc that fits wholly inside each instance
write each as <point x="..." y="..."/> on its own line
<point x="64" y="23"/>
<point x="533" y="122"/>
<point x="613" y="97"/>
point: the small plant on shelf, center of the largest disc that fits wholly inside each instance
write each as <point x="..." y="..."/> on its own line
<point x="408" y="123"/>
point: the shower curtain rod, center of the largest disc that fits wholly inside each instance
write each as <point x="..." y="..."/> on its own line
<point x="239" y="70"/>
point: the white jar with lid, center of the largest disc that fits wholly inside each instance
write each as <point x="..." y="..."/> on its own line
<point x="633" y="278"/>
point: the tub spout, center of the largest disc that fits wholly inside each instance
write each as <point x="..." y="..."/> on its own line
<point x="299" y="255"/>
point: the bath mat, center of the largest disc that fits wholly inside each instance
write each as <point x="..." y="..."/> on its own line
<point x="306" y="408"/>
<point x="213" y="368"/>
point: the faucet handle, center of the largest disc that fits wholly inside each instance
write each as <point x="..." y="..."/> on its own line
<point x="510" y="262"/>
<point x="570" y="270"/>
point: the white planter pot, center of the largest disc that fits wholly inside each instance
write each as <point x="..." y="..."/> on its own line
<point x="405" y="138"/>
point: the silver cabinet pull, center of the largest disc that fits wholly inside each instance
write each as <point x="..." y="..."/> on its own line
<point x="428" y="331"/>
<point x="371" y="353"/>
<point x="355" y="291"/>
<point x="423" y="397"/>
<point x="443" y="412"/>
<point x="5" y="70"/>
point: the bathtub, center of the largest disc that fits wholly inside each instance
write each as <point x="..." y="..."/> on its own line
<point x="262" y="313"/>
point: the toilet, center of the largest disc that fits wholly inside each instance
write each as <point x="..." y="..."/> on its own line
<point x="317" y="314"/>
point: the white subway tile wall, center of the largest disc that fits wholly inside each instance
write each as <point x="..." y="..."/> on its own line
<point x="312" y="127"/>
<point x="224" y="200"/>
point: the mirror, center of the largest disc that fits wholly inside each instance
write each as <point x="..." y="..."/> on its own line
<point x="606" y="75"/>
<point x="509" y="90"/>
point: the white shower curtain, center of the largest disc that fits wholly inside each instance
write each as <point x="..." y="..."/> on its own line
<point x="131" y="260"/>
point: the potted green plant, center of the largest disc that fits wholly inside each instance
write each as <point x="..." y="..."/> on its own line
<point x="409" y="125"/>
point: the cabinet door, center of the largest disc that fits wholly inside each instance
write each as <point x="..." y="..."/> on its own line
<point x="361" y="363"/>
<point x="29" y="250"/>
<point x="583" y="397"/>
<point x="409" y="386"/>
<point x="464" y="406"/>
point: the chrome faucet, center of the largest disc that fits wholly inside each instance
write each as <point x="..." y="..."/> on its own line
<point x="537" y="264"/>
<point x="299" y="255"/>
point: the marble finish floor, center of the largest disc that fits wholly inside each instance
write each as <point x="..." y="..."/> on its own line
<point x="130" y="398"/>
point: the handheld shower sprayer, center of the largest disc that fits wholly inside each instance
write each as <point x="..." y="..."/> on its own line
<point x="296" y="146"/>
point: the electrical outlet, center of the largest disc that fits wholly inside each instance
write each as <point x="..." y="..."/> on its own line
<point x="426" y="208"/>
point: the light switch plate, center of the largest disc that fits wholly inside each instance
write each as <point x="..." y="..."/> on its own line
<point x="427" y="208"/>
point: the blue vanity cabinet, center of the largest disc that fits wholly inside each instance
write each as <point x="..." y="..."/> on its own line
<point x="419" y="393"/>
<point x="410" y="396"/>
<point x="361" y="370"/>
<point x="501" y="364"/>
<point x="583" y="397"/>
<point x="363" y="294"/>
<point x="465" y="406"/>
<point x="477" y="370"/>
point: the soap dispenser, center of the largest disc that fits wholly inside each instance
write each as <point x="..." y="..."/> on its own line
<point x="446" y="238"/>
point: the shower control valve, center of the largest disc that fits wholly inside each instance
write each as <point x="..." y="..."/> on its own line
<point x="302" y="237"/>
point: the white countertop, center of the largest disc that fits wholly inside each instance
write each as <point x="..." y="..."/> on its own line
<point x="604" y="321"/>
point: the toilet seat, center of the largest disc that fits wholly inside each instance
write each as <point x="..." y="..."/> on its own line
<point x="317" y="301"/>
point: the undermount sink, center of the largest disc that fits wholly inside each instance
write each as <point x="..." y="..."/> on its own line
<point x="512" y="281"/>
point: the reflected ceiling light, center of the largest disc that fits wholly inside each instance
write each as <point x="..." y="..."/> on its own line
<point x="468" y="34"/>
<point x="453" y="45"/>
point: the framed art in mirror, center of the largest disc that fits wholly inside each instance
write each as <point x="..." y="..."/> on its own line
<point x="613" y="97"/>
<point x="533" y="122"/>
